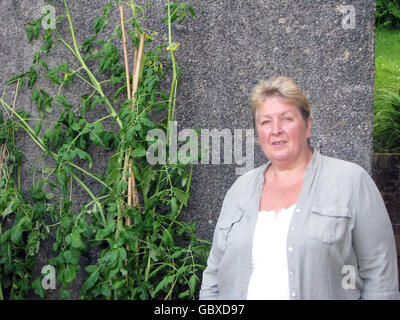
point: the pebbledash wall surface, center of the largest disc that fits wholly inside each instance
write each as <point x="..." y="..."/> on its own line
<point x="326" y="46"/>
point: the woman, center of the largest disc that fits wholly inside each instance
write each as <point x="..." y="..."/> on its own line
<point x="304" y="225"/>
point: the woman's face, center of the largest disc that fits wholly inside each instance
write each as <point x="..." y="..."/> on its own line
<point x="281" y="130"/>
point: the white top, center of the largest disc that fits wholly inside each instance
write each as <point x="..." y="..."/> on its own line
<point x="269" y="270"/>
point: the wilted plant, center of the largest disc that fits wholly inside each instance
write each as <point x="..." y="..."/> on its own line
<point x="147" y="251"/>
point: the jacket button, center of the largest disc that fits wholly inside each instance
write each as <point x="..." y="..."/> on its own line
<point x="290" y="249"/>
<point x="293" y="293"/>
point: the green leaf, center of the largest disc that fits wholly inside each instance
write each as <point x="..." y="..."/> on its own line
<point x="122" y="253"/>
<point x="117" y="284"/>
<point x="49" y="195"/>
<point x="76" y="240"/>
<point x="17" y="229"/>
<point x="105" y="290"/>
<point x="33" y="28"/>
<point x="72" y="256"/>
<point x="38" y="127"/>
<point x="91" y="268"/>
<point x="82" y="155"/>
<point x="5" y="236"/>
<point x="109" y="258"/>
<point x="88" y="42"/>
<point x="96" y="100"/>
<point x="191" y="10"/>
<point x="99" y="23"/>
<point x="98" y="127"/>
<point x="75" y="126"/>
<point x="174" y="205"/>
<point x="154" y="253"/>
<point x="164" y="282"/>
<point x="66" y="221"/>
<point x="148" y="176"/>
<point x="103" y="233"/>
<point x="12" y="205"/>
<point x="64" y="294"/>
<point x="192" y="283"/>
<point x="33" y="75"/>
<point x="183" y="294"/>
<point x="70" y="273"/>
<point x="91" y="280"/>
<point x="38" y="288"/>
<point x="96" y="139"/>
<point x="167" y="238"/>
<point x="181" y="195"/>
<point x="138" y="152"/>
<point x="33" y="242"/>
<point x="62" y="100"/>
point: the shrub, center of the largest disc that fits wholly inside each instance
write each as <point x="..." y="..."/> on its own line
<point x="388" y="13"/>
<point x="387" y="120"/>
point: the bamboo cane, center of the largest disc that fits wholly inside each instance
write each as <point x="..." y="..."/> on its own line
<point x="128" y="92"/>
<point x="135" y="57"/>
<point x="128" y="87"/>
<point x="135" y="81"/>
<point x="127" y="160"/>
<point x="132" y="197"/>
<point x="123" y="191"/>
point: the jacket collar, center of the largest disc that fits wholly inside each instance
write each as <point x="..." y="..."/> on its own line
<point x="254" y="198"/>
<point x="315" y="160"/>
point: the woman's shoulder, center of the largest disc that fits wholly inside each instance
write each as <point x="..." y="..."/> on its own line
<point x="343" y="168"/>
<point x="252" y="174"/>
<point x="248" y="181"/>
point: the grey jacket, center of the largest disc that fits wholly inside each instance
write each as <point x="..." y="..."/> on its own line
<point x="340" y="243"/>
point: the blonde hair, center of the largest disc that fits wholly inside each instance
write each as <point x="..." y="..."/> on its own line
<point x="284" y="88"/>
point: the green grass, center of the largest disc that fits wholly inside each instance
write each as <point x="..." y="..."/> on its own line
<point x="387" y="58"/>
<point x="387" y="91"/>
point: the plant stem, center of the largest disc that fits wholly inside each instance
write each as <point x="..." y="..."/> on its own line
<point x="171" y="102"/>
<point x="84" y="186"/>
<point x="41" y="144"/>
<point x="21" y="119"/>
<point x="187" y="190"/>
<point x="62" y="83"/>
<point x="92" y="78"/>
<point x="146" y="277"/>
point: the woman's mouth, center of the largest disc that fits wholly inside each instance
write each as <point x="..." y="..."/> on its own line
<point x="277" y="143"/>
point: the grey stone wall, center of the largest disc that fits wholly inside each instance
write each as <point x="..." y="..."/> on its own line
<point x="232" y="45"/>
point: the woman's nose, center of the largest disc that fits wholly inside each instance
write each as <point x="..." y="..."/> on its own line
<point x="276" y="128"/>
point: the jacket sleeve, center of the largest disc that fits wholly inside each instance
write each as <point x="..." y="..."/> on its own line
<point x="373" y="242"/>
<point x="209" y="287"/>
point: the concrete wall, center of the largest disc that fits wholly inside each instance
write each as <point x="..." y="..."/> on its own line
<point x="229" y="48"/>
